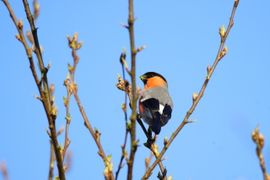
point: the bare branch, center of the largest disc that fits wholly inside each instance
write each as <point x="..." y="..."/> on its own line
<point x="124" y="108"/>
<point x="197" y="97"/>
<point x="133" y="52"/>
<point x="73" y="89"/>
<point x="42" y="84"/>
<point x="258" y="139"/>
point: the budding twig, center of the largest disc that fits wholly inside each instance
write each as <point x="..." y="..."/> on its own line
<point x="197" y="97"/>
<point x="42" y="84"/>
<point x="72" y="88"/>
<point x="258" y="139"/>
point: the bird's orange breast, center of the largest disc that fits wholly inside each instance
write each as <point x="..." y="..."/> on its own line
<point x="155" y="82"/>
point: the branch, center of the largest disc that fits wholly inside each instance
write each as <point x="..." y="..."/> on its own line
<point x="72" y="88"/>
<point x="258" y="139"/>
<point x="42" y="84"/>
<point x="133" y="52"/>
<point x="4" y="171"/>
<point x="154" y="149"/>
<point x="197" y="97"/>
<point x="51" y="163"/>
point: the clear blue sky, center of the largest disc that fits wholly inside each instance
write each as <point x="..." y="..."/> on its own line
<point x="182" y="39"/>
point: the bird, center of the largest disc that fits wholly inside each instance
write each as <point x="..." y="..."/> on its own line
<point x="155" y="102"/>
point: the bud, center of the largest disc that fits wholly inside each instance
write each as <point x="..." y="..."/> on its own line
<point x="165" y="142"/>
<point x="52" y="89"/>
<point x="141" y="48"/>
<point x="54" y="112"/>
<point x="154" y="148"/>
<point x="20" y="24"/>
<point x="73" y="42"/>
<point x="108" y="166"/>
<point x="222" y="31"/>
<point x="30" y="37"/>
<point x="147" y="162"/>
<point x="254" y="135"/>
<point x="209" y="69"/>
<point x="75" y="36"/>
<point x="223" y="52"/>
<point x="97" y="134"/>
<point x="194" y="96"/>
<point x="124" y="107"/>
<point x="36" y="9"/>
<point x="18" y="37"/>
<point x="70" y="68"/>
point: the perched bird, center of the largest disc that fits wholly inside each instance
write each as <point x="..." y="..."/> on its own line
<point x="155" y="103"/>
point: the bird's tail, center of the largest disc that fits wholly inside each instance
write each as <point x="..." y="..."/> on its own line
<point x="156" y="125"/>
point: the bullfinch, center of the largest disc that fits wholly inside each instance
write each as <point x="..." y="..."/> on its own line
<point x="155" y="103"/>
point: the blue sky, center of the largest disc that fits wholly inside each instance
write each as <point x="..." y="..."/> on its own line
<point x="182" y="39"/>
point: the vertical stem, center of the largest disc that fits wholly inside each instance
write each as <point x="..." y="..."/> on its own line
<point x="133" y="143"/>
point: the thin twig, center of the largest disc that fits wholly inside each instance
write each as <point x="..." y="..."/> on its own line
<point x="197" y="97"/>
<point x="72" y="88"/>
<point x="42" y="84"/>
<point x="124" y="108"/>
<point x="68" y="117"/>
<point x="258" y="139"/>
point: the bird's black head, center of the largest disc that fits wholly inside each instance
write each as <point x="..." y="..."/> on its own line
<point x="148" y="75"/>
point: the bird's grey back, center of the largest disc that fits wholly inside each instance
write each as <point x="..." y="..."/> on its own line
<point x="155" y="93"/>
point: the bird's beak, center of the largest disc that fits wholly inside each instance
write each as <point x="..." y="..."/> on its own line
<point x="142" y="77"/>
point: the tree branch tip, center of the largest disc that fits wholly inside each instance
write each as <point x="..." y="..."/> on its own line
<point x="73" y="42"/>
<point x="141" y="48"/>
<point x="124" y="25"/>
<point x="258" y="138"/>
<point x="190" y="121"/>
<point x="38" y="98"/>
